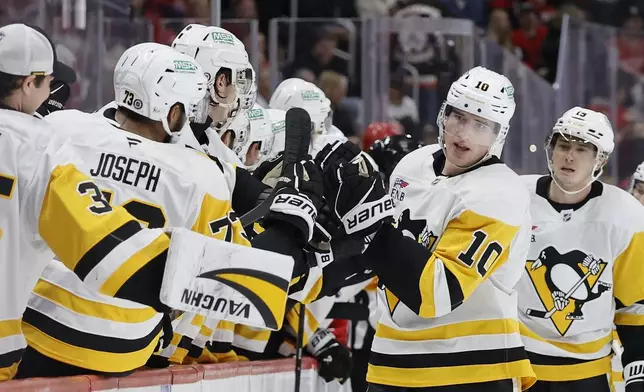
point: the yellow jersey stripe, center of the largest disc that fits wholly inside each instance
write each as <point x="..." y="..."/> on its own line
<point x="449" y="331"/>
<point x="8" y="372"/>
<point x="10" y="328"/>
<point x="451" y="375"/>
<point x="134" y="264"/>
<point x="110" y="355"/>
<point x="90" y="308"/>
<point x="569" y="372"/>
<point x="576" y="348"/>
<point x="631" y="319"/>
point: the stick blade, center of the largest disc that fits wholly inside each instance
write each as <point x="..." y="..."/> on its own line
<point x="298" y="135"/>
<point x="536" y="313"/>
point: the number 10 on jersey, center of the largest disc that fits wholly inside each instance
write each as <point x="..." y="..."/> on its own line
<point x="487" y="258"/>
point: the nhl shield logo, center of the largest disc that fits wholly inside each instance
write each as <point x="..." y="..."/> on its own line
<point x="564" y="283"/>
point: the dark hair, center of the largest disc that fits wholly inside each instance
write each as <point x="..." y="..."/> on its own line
<point x="141" y="119"/>
<point x="557" y="136"/>
<point x="9" y="83"/>
<point x="135" y="117"/>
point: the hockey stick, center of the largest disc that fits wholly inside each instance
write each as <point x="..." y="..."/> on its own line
<point x="548" y="314"/>
<point x="296" y="146"/>
<point x="299" y="342"/>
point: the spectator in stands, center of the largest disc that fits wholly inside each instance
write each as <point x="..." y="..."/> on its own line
<point x="372" y="8"/>
<point x="305" y="74"/>
<point x="500" y="30"/>
<point x="263" y="86"/>
<point x="474" y="10"/>
<point x="422" y="51"/>
<point x="320" y="57"/>
<point x="608" y="12"/>
<point x="155" y="11"/>
<point x="334" y="86"/>
<point x="529" y="37"/>
<point x="402" y="108"/>
<point x="544" y="9"/>
<point x="631" y="42"/>
<point x="550" y="46"/>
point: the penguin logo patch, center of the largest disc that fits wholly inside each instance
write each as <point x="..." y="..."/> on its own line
<point x="564" y="283"/>
<point x="416" y="229"/>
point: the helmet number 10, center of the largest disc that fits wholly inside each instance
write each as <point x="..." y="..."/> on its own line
<point x="482" y="86"/>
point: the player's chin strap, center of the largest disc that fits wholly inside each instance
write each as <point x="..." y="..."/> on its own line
<point x="634" y="376"/>
<point x="589" y="183"/>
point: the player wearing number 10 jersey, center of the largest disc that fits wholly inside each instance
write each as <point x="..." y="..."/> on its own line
<point x="72" y="329"/>
<point x="449" y="320"/>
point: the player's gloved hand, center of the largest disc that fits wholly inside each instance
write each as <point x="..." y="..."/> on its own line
<point x="334" y="358"/>
<point x="357" y="198"/>
<point x="560" y="300"/>
<point x="592" y="264"/>
<point x="298" y="195"/>
<point x="326" y="224"/>
<point x="269" y="171"/>
<point x="335" y="153"/>
<point x="634" y="376"/>
<point x="58" y="97"/>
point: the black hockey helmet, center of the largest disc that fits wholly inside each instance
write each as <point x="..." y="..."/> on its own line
<point x="388" y="152"/>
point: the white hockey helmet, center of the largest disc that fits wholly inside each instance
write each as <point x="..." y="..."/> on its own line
<point x="131" y="54"/>
<point x="153" y="81"/>
<point x="277" y="118"/>
<point x="216" y="49"/>
<point x="637" y="176"/>
<point x="299" y="93"/>
<point x="484" y="93"/>
<point x="259" y="131"/>
<point x="588" y="126"/>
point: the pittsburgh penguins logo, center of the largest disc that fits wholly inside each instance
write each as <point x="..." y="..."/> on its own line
<point x="564" y="283"/>
<point x="416" y="229"/>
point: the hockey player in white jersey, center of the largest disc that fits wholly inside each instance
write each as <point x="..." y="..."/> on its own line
<point x="299" y="93"/>
<point x="146" y="90"/>
<point x="44" y="190"/>
<point x="447" y="269"/>
<point x="584" y="269"/>
<point x="230" y="80"/>
<point x="254" y="139"/>
<point x="636" y="185"/>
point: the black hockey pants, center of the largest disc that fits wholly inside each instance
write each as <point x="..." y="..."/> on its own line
<point x="594" y="384"/>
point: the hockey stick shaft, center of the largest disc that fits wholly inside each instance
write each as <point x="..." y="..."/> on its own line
<point x="549" y="313"/>
<point x="299" y="342"/>
<point x="296" y="146"/>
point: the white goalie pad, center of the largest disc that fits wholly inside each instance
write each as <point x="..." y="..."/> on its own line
<point x="225" y="281"/>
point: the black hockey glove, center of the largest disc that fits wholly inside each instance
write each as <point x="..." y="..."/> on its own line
<point x="58" y="97"/>
<point x="357" y="198"/>
<point x="334" y="358"/>
<point x="634" y="377"/>
<point x="269" y="171"/>
<point x="297" y="198"/>
<point x="335" y="153"/>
